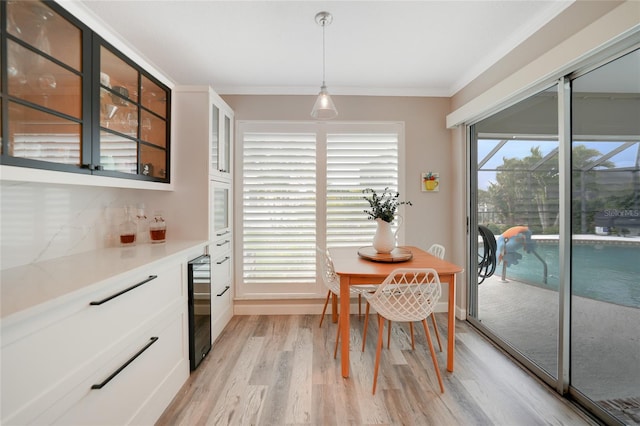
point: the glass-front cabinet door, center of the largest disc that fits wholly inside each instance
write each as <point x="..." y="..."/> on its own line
<point x="220" y="216"/>
<point x="215" y="139"/>
<point x="46" y="77"/>
<point x="227" y="145"/>
<point x="133" y="119"/>
<point x="219" y="209"/>
<point x="221" y="136"/>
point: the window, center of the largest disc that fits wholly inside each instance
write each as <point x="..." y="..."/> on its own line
<point x="356" y="161"/>
<point x="299" y="183"/>
<point x="279" y="207"/>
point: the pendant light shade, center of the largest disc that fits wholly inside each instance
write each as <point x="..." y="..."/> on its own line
<point x="324" y="109"/>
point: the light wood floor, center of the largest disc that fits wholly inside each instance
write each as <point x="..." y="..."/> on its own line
<point x="280" y="370"/>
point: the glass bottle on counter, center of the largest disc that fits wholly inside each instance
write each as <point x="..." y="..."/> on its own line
<point x="128" y="228"/>
<point x="157" y="228"/>
<point x="142" y="224"/>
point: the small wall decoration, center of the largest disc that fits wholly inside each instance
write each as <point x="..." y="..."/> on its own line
<point x="430" y="182"/>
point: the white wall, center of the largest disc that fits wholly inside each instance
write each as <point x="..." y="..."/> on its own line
<point x="500" y="85"/>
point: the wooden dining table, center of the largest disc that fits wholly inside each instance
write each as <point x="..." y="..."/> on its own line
<point x="354" y="269"/>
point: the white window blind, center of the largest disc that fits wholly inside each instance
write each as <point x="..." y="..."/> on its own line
<point x="356" y="161"/>
<point x="279" y="208"/>
<point x="300" y="182"/>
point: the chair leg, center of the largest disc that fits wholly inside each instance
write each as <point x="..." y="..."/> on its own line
<point x="389" y="335"/>
<point x="326" y="302"/>
<point x="335" y="349"/>
<point x="433" y="354"/>
<point x="359" y="305"/>
<point x="435" y="327"/>
<point x="366" y="324"/>
<point x="413" y="342"/>
<point x="378" y="350"/>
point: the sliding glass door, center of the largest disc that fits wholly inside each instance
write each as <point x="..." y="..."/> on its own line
<point x="555" y="195"/>
<point x="605" y="253"/>
<point x="517" y="201"/>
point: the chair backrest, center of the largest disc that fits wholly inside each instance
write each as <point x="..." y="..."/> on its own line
<point x="437" y="250"/>
<point x="328" y="273"/>
<point x="407" y="294"/>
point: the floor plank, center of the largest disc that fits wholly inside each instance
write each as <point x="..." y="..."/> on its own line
<point x="280" y="370"/>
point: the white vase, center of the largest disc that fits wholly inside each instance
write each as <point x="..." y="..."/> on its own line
<point x="385" y="240"/>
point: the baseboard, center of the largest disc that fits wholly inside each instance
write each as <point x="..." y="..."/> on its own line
<point x="461" y="314"/>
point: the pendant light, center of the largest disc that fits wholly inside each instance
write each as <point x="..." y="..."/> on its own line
<point x="324" y="109"/>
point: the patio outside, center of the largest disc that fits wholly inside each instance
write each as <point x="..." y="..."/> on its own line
<point x="605" y="346"/>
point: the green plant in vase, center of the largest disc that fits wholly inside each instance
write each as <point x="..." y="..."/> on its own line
<point x="383" y="206"/>
<point x="383" y="210"/>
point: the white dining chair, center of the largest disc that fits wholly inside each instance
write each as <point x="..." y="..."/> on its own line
<point x="437" y="250"/>
<point x="332" y="282"/>
<point x="406" y="295"/>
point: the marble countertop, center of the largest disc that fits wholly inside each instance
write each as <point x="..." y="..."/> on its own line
<point x="40" y="284"/>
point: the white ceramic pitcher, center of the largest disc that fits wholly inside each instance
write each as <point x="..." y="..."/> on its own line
<point x="385" y="239"/>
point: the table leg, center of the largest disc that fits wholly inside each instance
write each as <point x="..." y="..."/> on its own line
<point x="344" y="325"/>
<point x="451" y="323"/>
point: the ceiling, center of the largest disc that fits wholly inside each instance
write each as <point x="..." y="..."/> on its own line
<point x="400" y="48"/>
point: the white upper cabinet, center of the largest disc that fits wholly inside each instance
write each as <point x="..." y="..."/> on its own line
<point x="74" y="103"/>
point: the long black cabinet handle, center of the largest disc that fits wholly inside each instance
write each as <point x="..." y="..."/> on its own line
<point x="220" y="234"/>
<point x="223" y="243"/>
<point x="123" y="366"/>
<point x="220" y="262"/>
<point x="223" y="291"/>
<point x="113" y="296"/>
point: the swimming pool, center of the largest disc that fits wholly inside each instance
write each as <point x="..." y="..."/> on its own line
<point x="606" y="271"/>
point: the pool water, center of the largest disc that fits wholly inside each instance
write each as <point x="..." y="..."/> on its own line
<point x="606" y="272"/>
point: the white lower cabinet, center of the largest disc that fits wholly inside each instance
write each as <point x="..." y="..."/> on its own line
<point x="51" y="361"/>
<point x="221" y="274"/>
<point x="221" y="293"/>
<point x="116" y="394"/>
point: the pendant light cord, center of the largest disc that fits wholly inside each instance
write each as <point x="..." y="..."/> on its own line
<point x="323" y="52"/>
